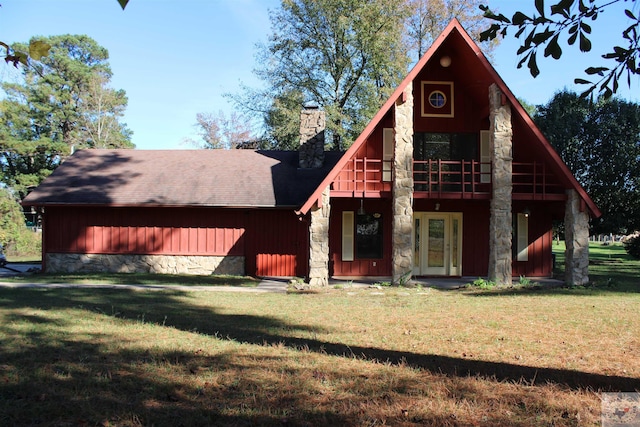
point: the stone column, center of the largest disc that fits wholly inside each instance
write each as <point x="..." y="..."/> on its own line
<point x="312" y="124"/>
<point x="319" y="242"/>
<point x="402" y="223"/>
<point x="500" y="222"/>
<point x="576" y="236"/>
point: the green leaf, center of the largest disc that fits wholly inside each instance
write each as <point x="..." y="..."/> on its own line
<point x="630" y="14"/>
<point x="542" y="37"/>
<point x="585" y="43"/>
<point x="123" y="3"/>
<point x="553" y="48"/>
<point x="540" y="7"/>
<point x="38" y="49"/>
<point x="572" y="39"/>
<point x="519" y="18"/>
<point x="596" y="70"/>
<point x="563" y="8"/>
<point x="533" y="65"/>
<point x="579" y="81"/>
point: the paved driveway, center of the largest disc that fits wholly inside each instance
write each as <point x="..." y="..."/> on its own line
<point x="14" y="268"/>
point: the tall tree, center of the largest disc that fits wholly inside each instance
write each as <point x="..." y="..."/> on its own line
<point x="62" y="103"/>
<point x="345" y="56"/>
<point x="219" y="131"/>
<point x="600" y="142"/>
<point x="428" y="18"/>
<point x="572" y="19"/>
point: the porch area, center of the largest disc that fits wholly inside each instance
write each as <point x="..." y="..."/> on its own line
<point x="447" y="179"/>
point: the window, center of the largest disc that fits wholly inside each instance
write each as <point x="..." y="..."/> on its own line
<point x="437" y="99"/>
<point x="521" y="237"/>
<point x="387" y="153"/>
<point x="362" y="238"/>
<point x="445" y="146"/>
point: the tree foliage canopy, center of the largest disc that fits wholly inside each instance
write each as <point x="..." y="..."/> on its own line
<point x="62" y="103"/>
<point x="427" y="19"/>
<point x="543" y="29"/>
<point x="600" y="142"/>
<point x="345" y="56"/>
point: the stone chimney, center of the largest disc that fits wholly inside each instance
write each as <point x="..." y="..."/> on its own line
<point x="312" y="124"/>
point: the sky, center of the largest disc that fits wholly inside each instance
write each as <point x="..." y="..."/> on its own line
<point x="177" y="58"/>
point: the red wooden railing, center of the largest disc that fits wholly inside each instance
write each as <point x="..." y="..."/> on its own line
<point x="362" y="175"/>
<point x="463" y="177"/>
<point x="447" y="178"/>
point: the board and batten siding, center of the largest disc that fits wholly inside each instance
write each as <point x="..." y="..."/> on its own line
<point x="144" y="231"/>
<point x="274" y="242"/>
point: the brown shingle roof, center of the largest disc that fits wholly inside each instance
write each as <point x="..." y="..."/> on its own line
<point x="229" y="178"/>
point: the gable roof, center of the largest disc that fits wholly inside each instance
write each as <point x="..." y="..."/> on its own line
<point x="215" y="178"/>
<point x="472" y="57"/>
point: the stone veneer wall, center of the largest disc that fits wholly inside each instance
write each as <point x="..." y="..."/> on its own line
<point x="319" y="242"/>
<point x="576" y="229"/>
<point x="311" y="151"/>
<point x="163" y="264"/>
<point x="402" y="223"/>
<point x="500" y="222"/>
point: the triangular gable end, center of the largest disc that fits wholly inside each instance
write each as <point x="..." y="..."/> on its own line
<point x="453" y="26"/>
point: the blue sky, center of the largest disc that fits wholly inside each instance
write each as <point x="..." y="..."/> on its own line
<point x="176" y="58"/>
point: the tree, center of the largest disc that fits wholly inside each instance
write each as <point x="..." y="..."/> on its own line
<point x="429" y="17"/>
<point x="14" y="235"/>
<point x="63" y="103"/>
<point x="346" y="56"/>
<point x="600" y="142"/>
<point x="219" y="131"/>
<point x="101" y="109"/>
<point x="571" y="17"/>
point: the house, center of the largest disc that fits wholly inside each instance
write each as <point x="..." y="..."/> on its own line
<point x="450" y="178"/>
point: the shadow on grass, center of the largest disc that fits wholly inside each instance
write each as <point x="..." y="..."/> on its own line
<point x="136" y="279"/>
<point x="90" y="379"/>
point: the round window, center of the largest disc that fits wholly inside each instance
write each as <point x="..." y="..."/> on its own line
<point x="437" y="99"/>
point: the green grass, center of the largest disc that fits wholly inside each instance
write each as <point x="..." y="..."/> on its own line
<point x="135" y="279"/>
<point x="610" y="267"/>
<point x="352" y="356"/>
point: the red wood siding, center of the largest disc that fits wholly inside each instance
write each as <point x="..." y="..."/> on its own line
<point x="358" y="267"/>
<point x="363" y="173"/>
<point x="540" y="263"/>
<point x="273" y="242"/>
<point x="277" y="244"/>
<point x="176" y="231"/>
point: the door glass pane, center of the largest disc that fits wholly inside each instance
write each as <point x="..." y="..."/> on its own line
<point x="416" y="249"/>
<point x="436" y="243"/>
<point x="454" y="243"/>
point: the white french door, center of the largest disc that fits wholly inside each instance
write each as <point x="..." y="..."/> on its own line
<point x="437" y="243"/>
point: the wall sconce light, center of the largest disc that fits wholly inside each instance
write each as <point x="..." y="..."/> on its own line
<point x="361" y="210"/>
<point x="437" y="206"/>
<point x="445" y="61"/>
<point x="526" y="212"/>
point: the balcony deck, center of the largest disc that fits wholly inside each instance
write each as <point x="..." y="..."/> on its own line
<point x="447" y="179"/>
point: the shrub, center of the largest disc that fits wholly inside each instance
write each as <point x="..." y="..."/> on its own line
<point x="14" y="234"/>
<point x="632" y="245"/>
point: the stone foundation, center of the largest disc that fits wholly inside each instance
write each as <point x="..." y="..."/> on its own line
<point x="161" y="264"/>
<point x="402" y="225"/>
<point x="500" y="221"/>
<point x="576" y="230"/>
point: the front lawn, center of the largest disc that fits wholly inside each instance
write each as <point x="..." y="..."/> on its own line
<point x="394" y="356"/>
<point x="610" y="267"/>
<point x="135" y="279"/>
